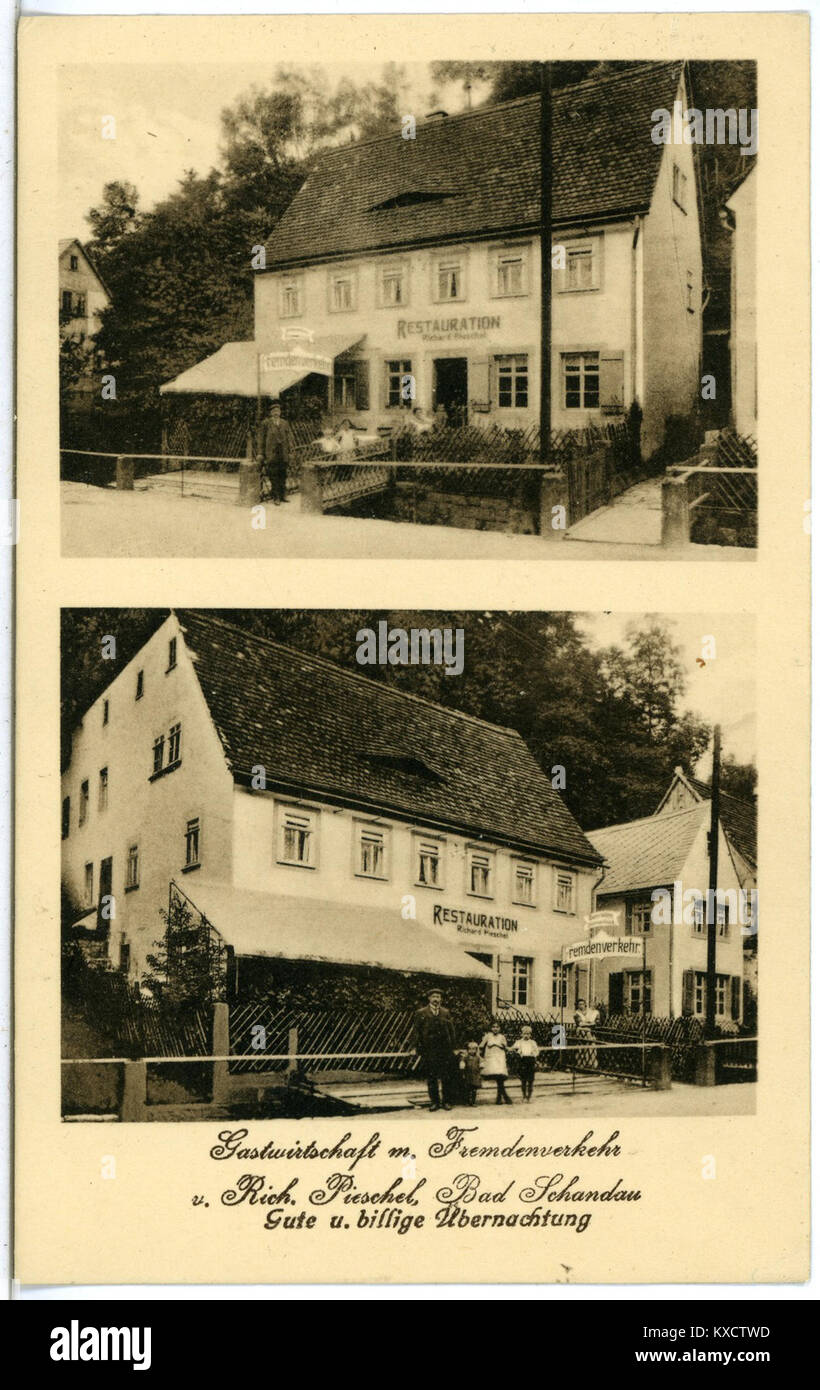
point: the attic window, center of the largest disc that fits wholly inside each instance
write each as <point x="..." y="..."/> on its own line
<point x="412" y="197"/>
<point x="402" y="762"/>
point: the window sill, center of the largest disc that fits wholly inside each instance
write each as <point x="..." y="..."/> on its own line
<point x="516" y="903"/>
<point x="163" y="771"/>
<point x="483" y="897"/>
<point x="435" y="887"/>
<point x="374" y="878"/>
<point x="189" y="868"/>
<point x="131" y="887"/>
<point x="579" y="289"/>
<point x="294" y="864"/>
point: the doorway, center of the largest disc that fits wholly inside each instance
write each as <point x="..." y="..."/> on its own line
<point x="450" y="388"/>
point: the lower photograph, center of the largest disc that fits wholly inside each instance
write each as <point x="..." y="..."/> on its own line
<point x="328" y="862"/>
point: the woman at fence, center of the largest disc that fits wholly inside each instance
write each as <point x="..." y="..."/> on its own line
<point x="493" y="1048"/>
<point x="586" y="1019"/>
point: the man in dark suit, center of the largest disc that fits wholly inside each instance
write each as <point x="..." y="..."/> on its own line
<point x="276" y="446"/>
<point x="434" y="1040"/>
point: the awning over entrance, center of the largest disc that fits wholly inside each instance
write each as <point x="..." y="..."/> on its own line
<point x="243" y="369"/>
<point x="317" y="929"/>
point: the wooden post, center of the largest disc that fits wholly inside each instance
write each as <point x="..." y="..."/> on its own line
<point x="134" y="1092"/>
<point x="546" y="261"/>
<point x="675" y="512"/>
<point x="221" y="1046"/>
<point x="125" y="473"/>
<point x="293" y="1052"/>
<point x="711" y="913"/>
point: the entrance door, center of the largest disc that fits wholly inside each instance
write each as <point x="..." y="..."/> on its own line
<point x="450" y="387"/>
<point x="106" y="877"/>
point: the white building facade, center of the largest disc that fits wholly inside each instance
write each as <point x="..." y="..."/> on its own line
<point x="153" y="793"/>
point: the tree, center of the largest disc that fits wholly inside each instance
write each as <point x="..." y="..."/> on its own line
<point x="116" y="217"/>
<point x="188" y="967"/>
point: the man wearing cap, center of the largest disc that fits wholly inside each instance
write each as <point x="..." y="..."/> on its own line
<point x="434" y="1040"/>
<point x="276" y="444"/>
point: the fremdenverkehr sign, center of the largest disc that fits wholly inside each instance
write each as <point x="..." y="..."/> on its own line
<point x="600" y="947"/>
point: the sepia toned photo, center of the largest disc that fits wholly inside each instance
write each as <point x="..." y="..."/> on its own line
<point x="402" y="924"/>
<point x="334" y="895"/>
<point x="453" y="309"/>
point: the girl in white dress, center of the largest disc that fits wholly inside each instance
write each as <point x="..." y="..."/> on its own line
<point x="493" y="1047"/>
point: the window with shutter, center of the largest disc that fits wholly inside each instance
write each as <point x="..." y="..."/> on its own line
<point x="505" y="980"/>
<point x="611" y="382"/>
<point x="362" y="371"/>
<point x="616" y="992"/>
<point x="479" y="383"/>
<point x="688" y="991"/>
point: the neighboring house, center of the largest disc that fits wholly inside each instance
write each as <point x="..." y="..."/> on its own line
<point x="670" y="852"/>
<point x="409" y="268"/>
<point x="83" y="295"/>
<point x="315" y="815"/>
<point x="738" y="817"/>
<point x="742" y="216"/>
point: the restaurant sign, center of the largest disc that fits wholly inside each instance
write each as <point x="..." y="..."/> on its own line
<point x="470" y="923"/>
<point x="461" y="329"/>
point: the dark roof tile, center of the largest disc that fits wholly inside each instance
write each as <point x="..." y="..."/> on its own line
<point x="314" y="725"/>
<point x="485" y="167"/>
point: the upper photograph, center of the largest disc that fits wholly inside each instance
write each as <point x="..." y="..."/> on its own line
<point x="435" y="310"/>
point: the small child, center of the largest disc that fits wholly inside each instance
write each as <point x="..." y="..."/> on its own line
<point x="527" y="1050"/>
<point x="471" y="1072"/>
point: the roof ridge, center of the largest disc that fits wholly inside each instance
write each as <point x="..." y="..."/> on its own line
<point x="639" y="820"/>
<point x="324" y="661"/>
<point x="471" y="112"/>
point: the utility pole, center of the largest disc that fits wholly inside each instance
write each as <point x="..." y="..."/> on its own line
<point x="546" y="260"/>
<point x="711" y="914"/>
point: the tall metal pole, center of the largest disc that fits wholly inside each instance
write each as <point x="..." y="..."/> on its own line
<point x="711" y="914"/>
<point x="546" y="261"/>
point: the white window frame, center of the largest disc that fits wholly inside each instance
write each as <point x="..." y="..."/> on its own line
<point x="509" y="255"/>
<point x="424" y="845"/>
<point x="346" y="277"/>
<point x="132" y="867"/>
<point x="302" y="820"/>
<point x="476" y="855"/>
<point x="397" y="272"/>
<point x="291" y="297"/>
<point x="584" y="370"/>
<point x="638" y="979"/>
<point x="102" y="790"/>
<point x="444" y="265"/>
<point x="560" y="985"/>
<point x="573" y="250"/>
<point x="402" y="363"/>
<point x="722" y="985"/>
<point x="560" y="876"/>
<point x="346" y="398"/>
<point x="532" y="869"/>
<point x="193" y="836"/>
<point x="516" y="364"/>
<point x="645" y="907"/>
<point x="367" y="833"/>
<point x="174" y="744"/>
<point x="517" y="975"/>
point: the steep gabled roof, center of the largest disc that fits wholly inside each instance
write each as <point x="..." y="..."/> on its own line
<point x="738" y="816"/>
<point x="478" y="173"/>
<point x="67" y="241"/>
<point x="648" y="853"/>
<point x="332" y="733"/>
